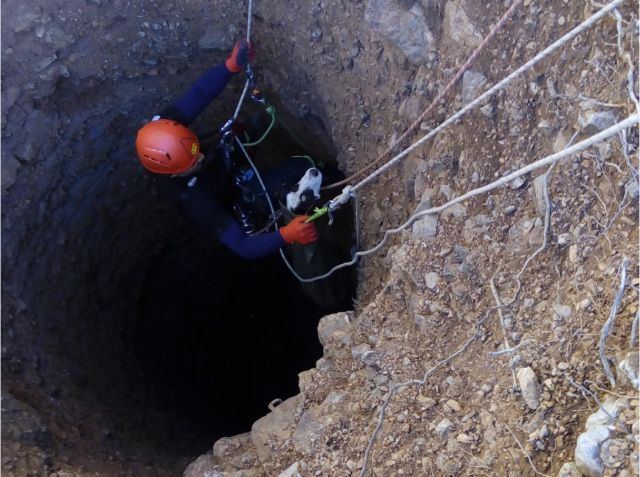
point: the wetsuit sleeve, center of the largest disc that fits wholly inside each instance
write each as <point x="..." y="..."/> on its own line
<point x="203" y="91"/>
<point x="202" y="207"/>
<point x="250" y="247"/>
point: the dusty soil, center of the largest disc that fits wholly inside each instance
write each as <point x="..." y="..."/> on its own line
<point x="80" y="77"/>
<point x="404" y="326"/>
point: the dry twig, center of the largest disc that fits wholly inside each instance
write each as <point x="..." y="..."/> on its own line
<point x="393" y="390"/>
<point x="513" y="349"/>
<point x="584" y="391"/>
<point x="608" y="391"/>
<point x="606" y="329"/>
<point x="499" y="304"/>
<point x="526" y="454"/>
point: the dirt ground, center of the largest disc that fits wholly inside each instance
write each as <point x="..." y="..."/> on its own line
<point x="80" y="77"/>
<point x="420" y="299"/>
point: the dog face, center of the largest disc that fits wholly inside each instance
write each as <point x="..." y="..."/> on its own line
<point x="305" y="193"/>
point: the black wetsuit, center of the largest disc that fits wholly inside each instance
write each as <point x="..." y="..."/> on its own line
<point x="206" y="196"/>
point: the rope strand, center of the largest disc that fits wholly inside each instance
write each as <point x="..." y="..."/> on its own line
<point x="595" y="139"/>
<point x="437" y="100"/>
<point x="480" y="99"/>
<point x="246" y="84"/>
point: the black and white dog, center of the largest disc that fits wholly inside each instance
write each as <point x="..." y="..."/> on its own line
<point x="333" y="245"/>
<point x="301" y="197"/>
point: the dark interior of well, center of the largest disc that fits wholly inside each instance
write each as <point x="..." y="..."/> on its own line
<point x="131" y="335"/>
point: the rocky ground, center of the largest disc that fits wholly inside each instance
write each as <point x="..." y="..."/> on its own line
<point x="531" y="411"/>
<point x="355" y="74"/>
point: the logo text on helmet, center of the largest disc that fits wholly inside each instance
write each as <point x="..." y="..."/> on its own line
<point x="194" y="149"/>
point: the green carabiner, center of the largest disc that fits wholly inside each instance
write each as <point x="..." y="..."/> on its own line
<point x="317" y="213"/>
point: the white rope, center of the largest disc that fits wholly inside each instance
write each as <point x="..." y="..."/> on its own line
<point x="246" y="84"/>
<point x="348" y="191"/>
<point x="249" y="18"/>
<point x="241" y="100"/>
<point x="480" y="99"/>
<point x="595" y="139"/>
<point x="273" y="210"/>
<point x="259" y="177"/>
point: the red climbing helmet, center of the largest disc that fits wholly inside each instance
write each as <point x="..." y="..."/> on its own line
<point x="167" y="147"/>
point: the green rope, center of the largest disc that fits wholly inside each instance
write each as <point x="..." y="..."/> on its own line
<point x="272" y="112"/>
<point x="309" y="158"/>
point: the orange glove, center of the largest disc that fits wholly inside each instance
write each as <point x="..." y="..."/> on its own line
<point x="243" y="52"/>
<point x="297" y="231"/>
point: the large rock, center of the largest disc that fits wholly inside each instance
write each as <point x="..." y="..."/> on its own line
<point x="57" y="37"/>
<point x="10" y="166"/>
<point x="518" y="236"/>
<point x="528" y="382"/>
<point x="335" y="328"/>
<point x="405" y="28"/>
<point x="270" y="431"/>
<point x="587" y="454"/>
<point x="368" y="357"/>
<point x="538" y="190"/>
<point x="562" y="140"/>
<point x="592" y="122"/>
<point x="21" y="423"/>
<point x="203" y="465"/>
<point x="318" y="423"/>
<point x="628" y="367"/>
<point x="472" y="85"/>
<point x="226" y="446"/>
<point x="536" y="236"/>
<point x="411" y="107"/>
<point x="26" y="17"/>
<point x="426" y="227"/>
<point x="443" y="428"/>
<point x="237" y="451"/>
<point x="475" y="227"/>
<point x="431" y="280"/>
<point x="459" y="32"/>
<point x="632" y="188"/>
<point x="457" y="211"/>
<point x="613" y="408"/>
<point x="599" y="427"/>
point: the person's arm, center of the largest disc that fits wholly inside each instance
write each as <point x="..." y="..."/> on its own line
<point x="251" y="247"/>
<point x="203" y="91"/>
<point x="202" y="206"/>
<point x="210" y="84"/>
<point x="257" y="246"/>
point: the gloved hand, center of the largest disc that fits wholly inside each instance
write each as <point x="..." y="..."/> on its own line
<point x="243" y="52"/>
<point x="297" y="231"/>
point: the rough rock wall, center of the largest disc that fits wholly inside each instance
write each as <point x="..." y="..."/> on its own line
<point x="342" y="67"/>
<point x="80" y="221"/>
<point x="518" y="412"/>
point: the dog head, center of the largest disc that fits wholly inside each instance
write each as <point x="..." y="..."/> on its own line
<point x="303" y="195"/>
